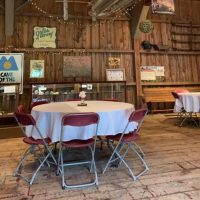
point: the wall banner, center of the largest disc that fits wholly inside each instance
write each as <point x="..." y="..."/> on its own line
<point x="152" y="73"/>
<point x="11" y="68"/>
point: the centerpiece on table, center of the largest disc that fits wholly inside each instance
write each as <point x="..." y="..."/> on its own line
<point x="82" y="96"/>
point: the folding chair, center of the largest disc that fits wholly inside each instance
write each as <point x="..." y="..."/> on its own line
<point x="181" y="112"/>
<point x="25" y="119"/>
<point x="37" y="103"/>
<point x="21" y="109"/>
<point x="125" y="142"/>
<point x="181" y="90"/>
<point x="78" y="120"/>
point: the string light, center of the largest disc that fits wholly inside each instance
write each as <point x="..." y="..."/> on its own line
<point x="118" y="13"/>
<point x="37" y="51"/>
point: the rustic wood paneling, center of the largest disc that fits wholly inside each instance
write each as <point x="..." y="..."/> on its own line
<point x="81" y="36"/>
<point x="180" y="33"/>
<point x="177" y="67"/>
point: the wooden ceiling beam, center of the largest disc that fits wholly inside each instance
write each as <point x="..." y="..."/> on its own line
<point x="139" y="13"/>
<point x="22" y="5"/>
<point x="104" y="6"/>
<point x="2" y="7"/>
<point x="108" y="7"/>
<point x="65" y="10"/>
<point x="73" y="16"/>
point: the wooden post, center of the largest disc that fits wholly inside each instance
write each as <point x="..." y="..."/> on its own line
<point x="9" y="17"/>
<point x="139" y="13"/>
<point x="143" y="15"/>
<point x="137" y="71"/>
<point x="65" y="10"/>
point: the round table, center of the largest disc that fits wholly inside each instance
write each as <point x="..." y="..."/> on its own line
<point x="113" y="119"/>
<point x="191" y="101"/>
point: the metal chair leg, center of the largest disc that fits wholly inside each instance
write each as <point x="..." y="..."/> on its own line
<point x="62" y="165"/>
<point x="26" y="154"/>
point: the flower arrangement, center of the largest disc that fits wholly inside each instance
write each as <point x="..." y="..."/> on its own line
<point x="82" y="94"/>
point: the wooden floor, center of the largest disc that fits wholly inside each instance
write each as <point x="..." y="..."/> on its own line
<point x="172" y="153"/>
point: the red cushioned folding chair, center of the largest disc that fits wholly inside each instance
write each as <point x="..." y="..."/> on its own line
<point x="126" y="142"/>
<point x="36" y="146"/>
<point x="37" y="103"/>
<point x="81" y="120"/>
<point x="21" y="109"/>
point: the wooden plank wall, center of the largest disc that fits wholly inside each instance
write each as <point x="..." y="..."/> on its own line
<point x="103" y="39"/>
<point x="100" y="40"/>
<point x="178" y="68"/>
<point x="181" y="33"/>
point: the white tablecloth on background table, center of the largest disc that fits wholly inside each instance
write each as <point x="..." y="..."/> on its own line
<point x="189" y="101"/>
<point x="113" y="118"/>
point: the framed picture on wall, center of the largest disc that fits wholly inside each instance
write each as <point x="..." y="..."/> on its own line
<point x="163" y="6"/>
<point x="152" y="73"/>
<point x="114" y="61"/>
<point x="36" y="68"/>
<point x="77" y="66"/>
<point x="115" y="74"/>
<point x="11" y="69"/>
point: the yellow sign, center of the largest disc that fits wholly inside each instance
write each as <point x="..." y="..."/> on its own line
<point x="44" y="37"/>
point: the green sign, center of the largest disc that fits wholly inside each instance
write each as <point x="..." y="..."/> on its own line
<point x="44" y="37"/>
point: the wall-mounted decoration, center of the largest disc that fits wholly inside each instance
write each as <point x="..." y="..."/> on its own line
<point x="36" y="68"/>
<point x="146" y="45"/>
<point x="114" y="61"/>
<point x="163" y="6"/>
<point x="44" y="37"/>
<point x="146" y="26"/>
<point x="11" y="68"/>
<point x="77" y="66"/>
<point x="115" y="74"/>
<point x="152" y="73"/>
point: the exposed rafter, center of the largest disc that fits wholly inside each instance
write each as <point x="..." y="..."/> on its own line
<point x="22" y="5"/>
<point x="2" y="7"/>
<point x="65" y="10"/>
<point x="9" y="17"/>
<point x="108" y="7"/>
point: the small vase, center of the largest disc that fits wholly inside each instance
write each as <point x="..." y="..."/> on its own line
<point x="82" y="102"/>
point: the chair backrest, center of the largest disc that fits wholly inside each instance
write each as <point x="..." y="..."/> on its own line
<point x="138" y="116"/>
<point x="181" y="90"/>
<point x="79" y="120"/>
<point x="24" y="119"/>
<point x="21" y="109"/>
<point x="36" y="103"/>
<point x="175" y="95"/>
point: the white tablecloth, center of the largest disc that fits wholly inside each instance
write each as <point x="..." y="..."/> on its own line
<point x="113" y="118"/>
<point x="190" y="101"/>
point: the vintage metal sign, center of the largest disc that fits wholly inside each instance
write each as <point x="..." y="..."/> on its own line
<point x="11" y="68"/>
<point x="44" y="37"/>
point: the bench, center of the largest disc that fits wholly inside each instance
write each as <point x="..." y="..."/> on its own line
<point x="162" y="95"/>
